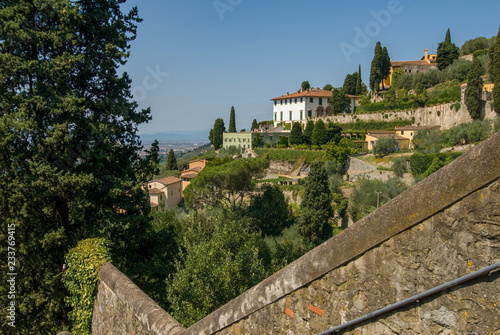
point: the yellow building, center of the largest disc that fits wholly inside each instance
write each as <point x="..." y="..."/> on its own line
<point x="425" y="64"/>
<point x="410" y="131"/>
<point x="373" y="136"/>
<point x="189" y="174"/>
<point x="165" y="192"/>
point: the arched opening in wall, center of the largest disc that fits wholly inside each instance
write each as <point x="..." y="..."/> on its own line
<point x="320" y="111"/>
<point x="328" y="111"/>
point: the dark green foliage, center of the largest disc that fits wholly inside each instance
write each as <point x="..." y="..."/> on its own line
<point x="420" y="163"/>
<point x="69" y="166"/>
<point x="384" y="65"/>
<point x="316" y="207"/>
<point x="255" y="125"/>
<point x="328" y="87"/>
<point x="227" y="184"/>
<point x="363" y="200"/>
<point x="216" y="133"/>
<point x="305" y="85"/>
<point x="296" y="136"/>
<point x="474" y="90"/>
<point x="385" y="145"/>
<point x="232" y="121"/>
<point x="447" y="52"/>
<point x="270" y="211"/>
<point x="495" y="72"/>
<point x="334" y="132"/>
<point x="375" y="72"/>
<point x="308" y="156"/>
<point x="171" y="161"/>
<point x="429" y="140"/>
<point x="340" y="102"/>
<point x="478" y="43"/>
<point x="359" y="88"/>
<point x="466" y="133"/>
<point x="257" y="141"/>
<point x="308" y="132"/>
<point x="283" y="141"/>
<point x="340" y="151"/>
<point x="319" y="135"/>
<point x="221" y="258"/>
<point x="350" y="82"/>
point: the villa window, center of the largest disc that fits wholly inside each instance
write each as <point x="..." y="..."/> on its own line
<point x="281" y="102"/>
<point x="301" y="99"/>
<point x="290" y="115"/>
<point x="295" y="100"/>
<point x="320" y="101"/>
<point x="275" y="116"/>
<point x="270" y="137"/>
<point x="402" y="132"/>
<point x="311" y="100"/>
<point x="275" y="102"/>
<point x="301" y="114"/>
<point x="281" y="115"/>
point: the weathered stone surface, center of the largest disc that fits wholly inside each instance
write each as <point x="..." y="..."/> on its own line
<point x="122" y="308"/>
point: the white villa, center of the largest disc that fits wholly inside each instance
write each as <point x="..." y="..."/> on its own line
<point x="303" y="104"/>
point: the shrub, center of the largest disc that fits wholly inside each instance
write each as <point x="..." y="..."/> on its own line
<point x="399" y="166"/>
<point x="425" y="164"/>
<point x="84" y="262"/>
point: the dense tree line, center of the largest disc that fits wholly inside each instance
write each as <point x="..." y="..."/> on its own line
<point x="69" y="166"/>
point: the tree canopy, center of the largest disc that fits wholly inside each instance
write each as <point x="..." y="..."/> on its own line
<point x="316" y="206"/>
<point x="226" y="184"/>
<point x="296" y="136"/>
<point x="255" y="125"/>
<point x="339" y="102"/>
<point x="171" y="161"/>
<point x="217" y="133"/>
<point x="69" y="166"/>
<point x="380" y="67"/>
<point x="447" y="52"/>
<point x="319" y="134"/>
<point x="305" y="85"/>
<point x="473" y="93"/>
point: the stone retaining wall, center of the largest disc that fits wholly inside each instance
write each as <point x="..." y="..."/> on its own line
<point x="122" y="308"/>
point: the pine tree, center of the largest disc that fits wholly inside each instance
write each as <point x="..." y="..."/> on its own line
<point x="474" y="90"/>
<point x="316" y="206"/>
<point x="305" y="85"/>
<point x="447" y="52"/>
<point x="69" y="166"/>
<point x="358" y="82"/>
<point x="171" y="161"/>
<point x="232" y="121"/>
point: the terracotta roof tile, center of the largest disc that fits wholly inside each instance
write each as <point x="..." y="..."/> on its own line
<point x="155" y="191"/>
<point x="168" y="180"/>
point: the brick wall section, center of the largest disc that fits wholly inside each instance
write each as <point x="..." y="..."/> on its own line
<point x="444" y="227"/>
<point x="122" y="308"/>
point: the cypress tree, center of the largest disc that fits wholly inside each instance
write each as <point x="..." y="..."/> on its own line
<point x="474" y="90"/>
<point x="384" y="65"/>
<point x="319" y="134"/>
<point x="316" y="206"/>
<point x="296" y="136"/>
<point x="375" y="74"/>
<point x="358" y="82"/>
<point x="172" y="161"/>
<point x="255" y="125"/>
<point x="447" y="52"/>
<point x="216" y="134"/>
<point x="308" y="132"/>
<point x="232" y="121"/>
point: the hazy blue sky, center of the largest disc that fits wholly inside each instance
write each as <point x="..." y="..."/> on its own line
<point x="193" y="60"/>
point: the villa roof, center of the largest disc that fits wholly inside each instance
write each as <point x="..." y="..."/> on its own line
<point x="414" y="62"/>
<point x="312" y="92"/>
<point x="386" y="135"/>
<point x="168" y="180"/>
<point x="191" y="175"/>
<point x="155" y="191"/>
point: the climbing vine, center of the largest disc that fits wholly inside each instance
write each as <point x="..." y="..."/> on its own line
<point x="83" y="263"/>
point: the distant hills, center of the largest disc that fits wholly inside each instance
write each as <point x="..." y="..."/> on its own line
<point x="178" y="136"/>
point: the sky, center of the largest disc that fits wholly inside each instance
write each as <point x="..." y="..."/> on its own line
<point x="194" y="59"/>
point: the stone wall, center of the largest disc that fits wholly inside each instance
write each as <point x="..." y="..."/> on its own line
<point x="122" y="308"/>
<point x="445" y="115"/>
<point x="446" y="226"/>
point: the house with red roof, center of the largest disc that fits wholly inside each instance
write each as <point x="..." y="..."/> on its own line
<point x="303" y="104"/>
<point x="165" y="193"/>
<point x="190" y="173"/>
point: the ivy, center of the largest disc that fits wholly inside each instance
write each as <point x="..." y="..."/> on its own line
<point x="81" y="277"/>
